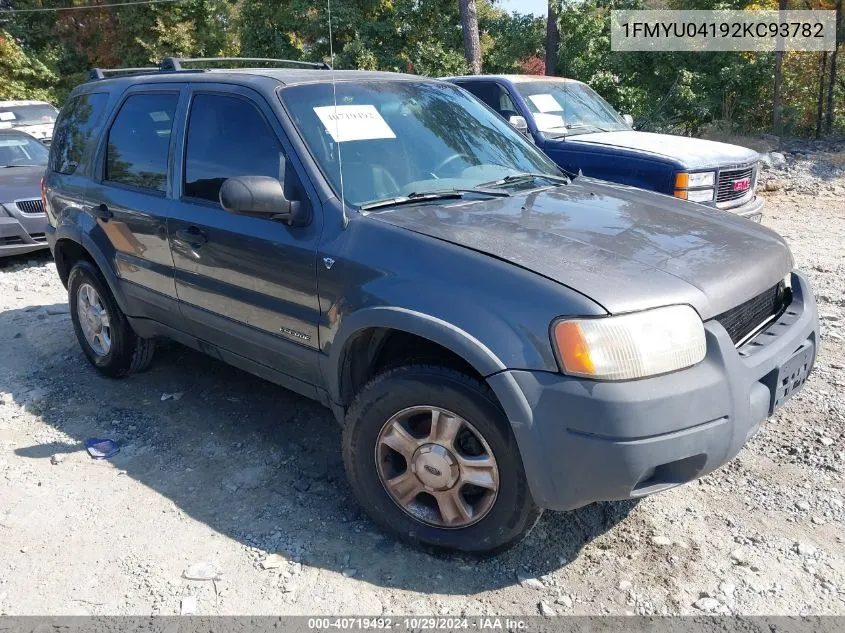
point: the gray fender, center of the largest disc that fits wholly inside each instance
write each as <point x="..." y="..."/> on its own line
<point x="79" y="231"/>
<point x="473" y="351"/>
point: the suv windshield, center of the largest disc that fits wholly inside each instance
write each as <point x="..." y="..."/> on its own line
<point x="35" y="114"/>
<point x="21" y="150"/>
<point x="569" y="108"/>
<point x="397" y="138"/>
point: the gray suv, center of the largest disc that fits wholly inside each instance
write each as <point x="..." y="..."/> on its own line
<point x="494" y="335"/>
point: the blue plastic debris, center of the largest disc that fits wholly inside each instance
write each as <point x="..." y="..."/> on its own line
<point x="101" y="448"/>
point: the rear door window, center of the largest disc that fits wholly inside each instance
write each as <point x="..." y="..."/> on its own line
<point x="139" y="141"/>
<point x="75" y="129"/>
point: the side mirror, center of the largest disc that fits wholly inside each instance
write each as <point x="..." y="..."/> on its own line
<point x="628" y="119"/>
<point x="519" y="123"/>
<point x="262" y="196"/>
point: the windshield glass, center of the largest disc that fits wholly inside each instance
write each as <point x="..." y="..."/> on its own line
<point x="21" y="149"/>
<point x="567" y="107"/>
<point x="401" y="137"/>
<point x="37" y="114"/>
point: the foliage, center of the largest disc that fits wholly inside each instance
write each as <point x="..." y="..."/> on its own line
<point x="43" y="55"/>
<point x="22" y="76"/>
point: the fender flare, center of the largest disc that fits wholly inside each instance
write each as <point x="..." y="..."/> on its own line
<point x="462" y="343"/>
<point x="74" y="233"/>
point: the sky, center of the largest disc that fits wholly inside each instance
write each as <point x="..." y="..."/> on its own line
<point x="537" y="7"/>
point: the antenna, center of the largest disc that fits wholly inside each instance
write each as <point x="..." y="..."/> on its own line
<point x="336" y="124"/>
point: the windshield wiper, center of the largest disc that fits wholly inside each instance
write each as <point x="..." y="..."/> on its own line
<point x="425" y="196"/>
<point x="512" y="178"/>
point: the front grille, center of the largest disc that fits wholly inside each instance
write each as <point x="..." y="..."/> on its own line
<point x="10" y="241"/>
<point x="725" y="191"/>
<point x="747" y="317"/>
<point x="31" y="207"/>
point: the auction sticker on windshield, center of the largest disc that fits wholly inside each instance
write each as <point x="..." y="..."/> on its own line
<point x="354" y="123"/>
<point x="545" y="103"/>
<point x="7" y="116"/>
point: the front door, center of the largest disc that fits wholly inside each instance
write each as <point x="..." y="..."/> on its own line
<point x="247" y="285"/>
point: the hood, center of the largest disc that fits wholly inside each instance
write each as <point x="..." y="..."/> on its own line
<point x="693" y="153"/>
<point x="625" y="248"/>
<point x="20" y="183"/>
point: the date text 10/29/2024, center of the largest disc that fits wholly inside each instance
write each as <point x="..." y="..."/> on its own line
<point x="422" y="623"/>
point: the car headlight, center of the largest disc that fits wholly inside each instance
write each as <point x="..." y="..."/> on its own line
<point x="687" y="183"/>
<point x="700" y="195"/>
<point x="630" y="346"/>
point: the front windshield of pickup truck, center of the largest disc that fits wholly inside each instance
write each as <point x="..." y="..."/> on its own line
<point x="396" y="138"/>
<point x="569" y="108"/>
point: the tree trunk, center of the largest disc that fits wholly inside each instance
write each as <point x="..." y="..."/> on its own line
<point x="820" y="95"/>
<point x="552" y="39"/>
<point x="472" y="42"/>
<point x="776" y="101"/>
<point x="831" y="86"/>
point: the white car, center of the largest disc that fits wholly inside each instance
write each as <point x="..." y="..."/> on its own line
<point x="36" y="118"/>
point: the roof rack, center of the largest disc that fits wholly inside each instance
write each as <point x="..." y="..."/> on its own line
<point x="175" y="63"/>
<point x="102" y="73"/>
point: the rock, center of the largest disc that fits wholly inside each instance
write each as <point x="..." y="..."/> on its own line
<point x="302" y="485"/>
<point x="565" y="601"/>
<point x="349" y="572"/>
<point x="172" y="396"/>
<point x="625" y="585"/>
<point x="826" y="441"/>
<point x="273" y="561"/>
<point x="739" y="557"/>
<point x="546" y="610"/>
<point x="802" y="505"/>
<point x="727" y="588"/>
<point x="203" y="570"/>
<point x="188" y="605"/>
<point x="706" y="604"/>
<point x="57" y="458"/>
<point x="288" y="587"/>
<point x="774" y="185"/>
<point x="805" y="549"/>
<point x="817" y="521"/>
<point x="662" y="541"/>
<point x="529" y="582"/>
<point x="777" y="159"/>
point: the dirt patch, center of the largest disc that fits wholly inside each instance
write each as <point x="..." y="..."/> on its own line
<point x="240" y="484"/>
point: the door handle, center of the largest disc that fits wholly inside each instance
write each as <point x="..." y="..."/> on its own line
<point x="192" y="236"/>
<point x="101" y="212"/>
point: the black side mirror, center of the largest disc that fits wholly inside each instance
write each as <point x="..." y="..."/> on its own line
<point x="262" y="196"/>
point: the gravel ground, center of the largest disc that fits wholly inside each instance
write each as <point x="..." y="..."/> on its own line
<point x="229" y="497"/>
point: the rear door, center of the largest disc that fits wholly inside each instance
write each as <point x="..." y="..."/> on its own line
<point x="129" y="198"/>
<point x="246" y="284"/>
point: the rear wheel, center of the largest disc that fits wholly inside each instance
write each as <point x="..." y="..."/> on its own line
<point x="104" y="333"/>
<point x="430" y="456"/>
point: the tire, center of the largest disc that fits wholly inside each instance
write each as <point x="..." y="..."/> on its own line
<point x="127" y="352"/>
<point x="513" y="512"/>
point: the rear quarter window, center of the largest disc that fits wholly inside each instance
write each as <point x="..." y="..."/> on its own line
<point x="75" y="129"/>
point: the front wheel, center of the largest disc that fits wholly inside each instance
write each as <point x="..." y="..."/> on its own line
<point x="431" y="457"/>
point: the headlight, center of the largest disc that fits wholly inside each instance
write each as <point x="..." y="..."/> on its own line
<point x="700" y="195"/>
<point x="684" y="182"/>
<point x="632" y="345"/>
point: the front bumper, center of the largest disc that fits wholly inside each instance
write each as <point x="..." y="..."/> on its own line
<point x="15" y="239"/>
<point x="752" y="209"/>
<point x="583" y="441"/>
